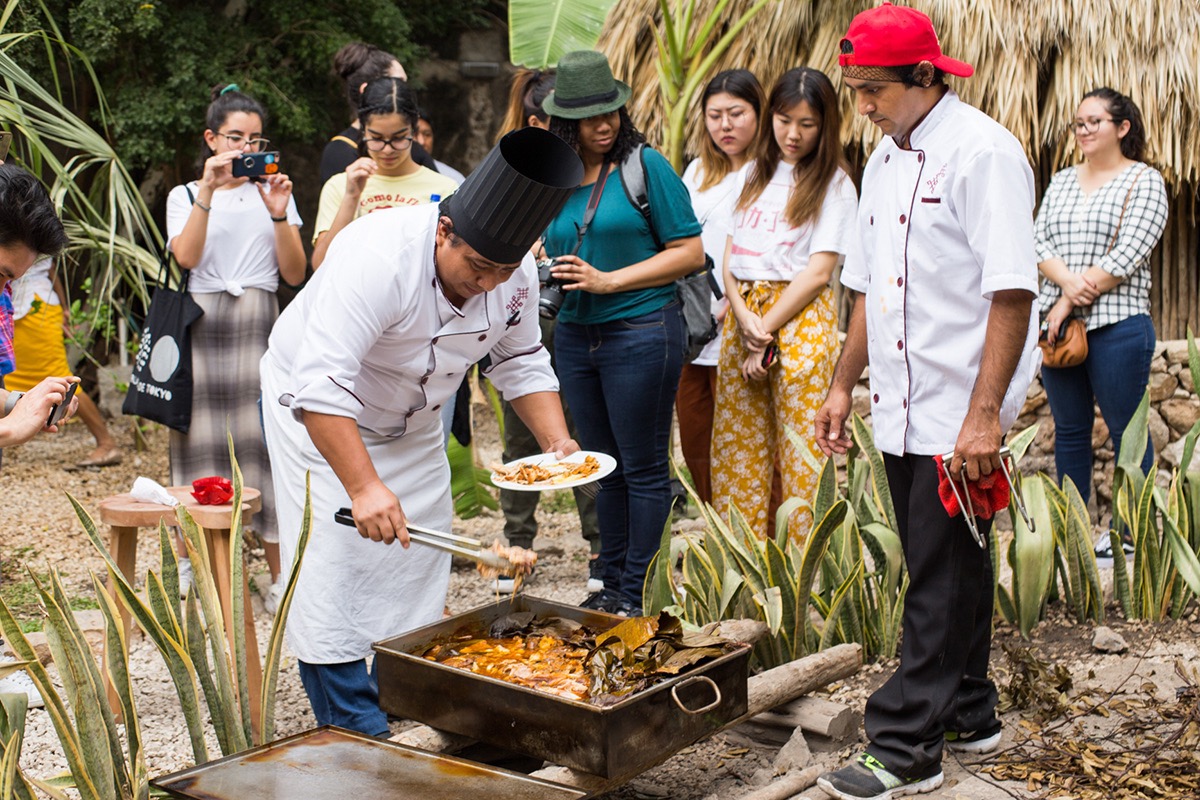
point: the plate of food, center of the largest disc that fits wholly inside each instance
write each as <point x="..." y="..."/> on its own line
<point x="543" y="472"/>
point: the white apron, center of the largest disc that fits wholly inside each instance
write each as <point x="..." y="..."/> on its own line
<point x="353" y="591"/>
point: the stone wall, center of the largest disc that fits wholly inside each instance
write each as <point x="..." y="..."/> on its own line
<point x="1174" y="409"/>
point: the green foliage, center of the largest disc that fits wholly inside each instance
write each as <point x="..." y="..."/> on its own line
<point x="469" y="482"/>
<point x="849" y="570"/>
<point x="541" y="31"/>
<point x="688" y="48"/>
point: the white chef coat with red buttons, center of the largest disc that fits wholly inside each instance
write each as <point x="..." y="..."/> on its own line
<point x="940" y="228"/>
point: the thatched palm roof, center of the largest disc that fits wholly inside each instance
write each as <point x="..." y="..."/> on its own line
<point x="1034" y="61"/>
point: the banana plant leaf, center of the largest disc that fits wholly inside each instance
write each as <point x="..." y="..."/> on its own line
<point x="541" y="31"/>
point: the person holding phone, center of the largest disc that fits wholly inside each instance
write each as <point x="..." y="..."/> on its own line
<point x="384" y="176"/>
<point x="792" y="221"/>
<point x="237" y="238"/>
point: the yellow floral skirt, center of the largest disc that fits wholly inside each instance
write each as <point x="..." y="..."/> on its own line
<point x="752" y="417"/>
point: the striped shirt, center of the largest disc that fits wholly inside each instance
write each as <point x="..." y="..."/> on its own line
<point x="8" y="361"/>
<point x="1079" y="229"/>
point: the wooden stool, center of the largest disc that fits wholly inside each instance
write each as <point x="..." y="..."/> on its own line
<point x="124" y="515"/>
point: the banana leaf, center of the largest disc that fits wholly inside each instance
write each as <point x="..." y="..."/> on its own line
<point x="540" y="32"/>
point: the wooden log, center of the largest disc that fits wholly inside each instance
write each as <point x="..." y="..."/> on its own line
<point x="748" y="631"/>
<point x="814" y="715"/>
<point x="790" y="785"/>
<point x="791" y="680"/>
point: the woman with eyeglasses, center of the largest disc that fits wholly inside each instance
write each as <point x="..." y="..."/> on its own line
<point x="384" y="176"/>
<point x="1097" y="225"/>
<point x="236" y="238"/>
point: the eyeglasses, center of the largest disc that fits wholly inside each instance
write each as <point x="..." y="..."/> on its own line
<point x="397" y="143"/>
<point x="1086" y="126"/>
<point x="237" y="140"/>
<point x="736" y="116"/>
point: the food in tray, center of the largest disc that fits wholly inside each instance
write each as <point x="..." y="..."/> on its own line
<point x="521" y="562"/>
<point x="530" y="473"/>
<point x="564" y="658"/>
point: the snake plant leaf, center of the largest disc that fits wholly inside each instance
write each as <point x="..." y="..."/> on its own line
<point x="1020" y="442"/>
<point x="1135" y="439"/>
<point x="730" y="586"/>
<point x="13" y="708"/>
<point x="784" y="513"/>
<point x="882" y="494"/>
<point x="169" y="563"/>
<point x="886" y="550"/>
<point x="237" y="600"/>
<point x="540" y="32"/>
<point x="659" y="589"/>
<point x="1193" y="359"/>
<point x="116" y="651"/>
<point x="781" y="576"/>
<point x="1185" y="558"/>
<point x="1031" y="555"/>
<point x="771" y="602"/>
<point x="832" y="620"/>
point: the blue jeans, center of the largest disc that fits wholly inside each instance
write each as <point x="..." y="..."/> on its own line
<point x="619" y="379"/>
<point x="346" y="695"/>
<point x="1114" y="376"/>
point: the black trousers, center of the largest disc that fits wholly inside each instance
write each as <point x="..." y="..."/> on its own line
<point x="942" y="682"/>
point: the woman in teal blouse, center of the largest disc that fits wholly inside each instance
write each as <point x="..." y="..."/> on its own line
<point x="620" y="337"/>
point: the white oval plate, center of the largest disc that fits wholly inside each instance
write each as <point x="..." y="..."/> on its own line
<point x="607" y="465"/>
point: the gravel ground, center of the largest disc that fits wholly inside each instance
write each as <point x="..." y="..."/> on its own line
<point x="38" y="528"/>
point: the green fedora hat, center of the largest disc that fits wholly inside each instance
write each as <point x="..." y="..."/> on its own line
<point x="585" y="87"/>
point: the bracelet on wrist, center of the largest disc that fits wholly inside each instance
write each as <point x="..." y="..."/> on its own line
<point x="11" y="401"/>
<point x="279" y="219"/>
<point x="201" y="206"/>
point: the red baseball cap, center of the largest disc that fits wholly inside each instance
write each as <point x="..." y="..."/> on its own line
<point x="896" y="36"/>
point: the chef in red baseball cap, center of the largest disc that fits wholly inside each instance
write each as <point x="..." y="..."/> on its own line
<point x="944" y="273"/>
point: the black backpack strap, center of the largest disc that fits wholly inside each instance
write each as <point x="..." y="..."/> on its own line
<point x="633" y="180"/>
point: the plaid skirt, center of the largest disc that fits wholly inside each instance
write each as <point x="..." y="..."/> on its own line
<point x="227" y="344"/>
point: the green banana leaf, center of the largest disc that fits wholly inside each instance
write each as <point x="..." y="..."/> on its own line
<point x="541" y="31"/>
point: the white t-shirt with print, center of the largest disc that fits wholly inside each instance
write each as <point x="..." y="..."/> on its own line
<point x="767" y="248"/>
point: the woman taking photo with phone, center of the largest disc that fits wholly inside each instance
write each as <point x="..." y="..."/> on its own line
<point x="384" y="176"/>
<point x="620" y="338"/>
<point x="794" y="213"/>
<point x="1097" y="225"/>
<point x="236" y="237"/>
<point x="732" y="104"/>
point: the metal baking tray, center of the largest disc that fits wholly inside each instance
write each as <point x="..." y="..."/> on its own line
<point x="335" y="764"/>
<point x="614" y="742"/>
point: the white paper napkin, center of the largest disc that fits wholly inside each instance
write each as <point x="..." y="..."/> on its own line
<point x="149" y="491"/>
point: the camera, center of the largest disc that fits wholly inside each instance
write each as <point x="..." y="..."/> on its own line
<point x="551" y="296"/>
<point x="256" y="165"/>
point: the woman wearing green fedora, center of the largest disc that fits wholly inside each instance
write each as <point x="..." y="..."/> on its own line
<point x="620" y="338"/>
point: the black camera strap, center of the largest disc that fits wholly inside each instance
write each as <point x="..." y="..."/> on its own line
<point x="593" y="204"/>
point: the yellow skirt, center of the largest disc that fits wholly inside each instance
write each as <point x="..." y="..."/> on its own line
<point x="752" y="417"/>
<point x="39" y="348"/>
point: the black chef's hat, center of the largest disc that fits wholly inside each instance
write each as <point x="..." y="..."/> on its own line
<point x="507" y="202"/>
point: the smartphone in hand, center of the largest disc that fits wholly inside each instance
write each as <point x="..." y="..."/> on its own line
<point x="770" y="356"/>
<point x="59" y="411"/>
<point x="256" y="165"/>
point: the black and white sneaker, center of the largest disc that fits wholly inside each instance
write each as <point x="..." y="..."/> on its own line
<point x="869" y="779"/>
<point x="605" y="600"/>
<point x="975" y="742"/>
<point x="595" y="582"/>
<point x="1104" y="551"/>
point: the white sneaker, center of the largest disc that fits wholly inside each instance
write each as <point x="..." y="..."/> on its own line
<point x="20" y="683"/>
<point x="185" y="577"/>
<point x="274" y="597"/>
<point x="595" y="581"/>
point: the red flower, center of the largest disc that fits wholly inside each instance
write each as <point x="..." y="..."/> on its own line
<point x="212" y="491"/>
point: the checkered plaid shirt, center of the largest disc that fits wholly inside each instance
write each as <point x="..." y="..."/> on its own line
<point x="1079" y="229"/>
<point x="8" y="361"/>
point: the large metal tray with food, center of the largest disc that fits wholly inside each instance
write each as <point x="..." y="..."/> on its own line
<point x="333" y="764"/>
<point x="616" y="737"/>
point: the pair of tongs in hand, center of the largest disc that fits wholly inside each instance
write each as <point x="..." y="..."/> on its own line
<point x="964" y="500"/>
<point x="447" y="542"/>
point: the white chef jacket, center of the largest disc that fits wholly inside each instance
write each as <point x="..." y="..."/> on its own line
<point x="940" y="228"/>
<point x="372" y="337"/>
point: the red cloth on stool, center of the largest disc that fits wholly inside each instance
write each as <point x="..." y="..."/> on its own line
<point x="212" y="491"/>
<point x="988" y="495"/>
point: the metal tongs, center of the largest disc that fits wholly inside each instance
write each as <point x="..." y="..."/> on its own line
<point x="964" y="501"/>
<point x="447" y="542"/>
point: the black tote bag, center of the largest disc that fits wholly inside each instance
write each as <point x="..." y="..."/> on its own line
<point x="160" y="387"/>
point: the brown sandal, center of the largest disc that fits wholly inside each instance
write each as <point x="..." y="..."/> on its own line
<point x="109" y="458"/>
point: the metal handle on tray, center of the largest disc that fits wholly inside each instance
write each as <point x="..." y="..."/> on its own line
<point x="696" y="679"/>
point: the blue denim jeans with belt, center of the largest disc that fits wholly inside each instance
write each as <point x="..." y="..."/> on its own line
<point x="1113" y="376"/>
<point x="619" y="379"/>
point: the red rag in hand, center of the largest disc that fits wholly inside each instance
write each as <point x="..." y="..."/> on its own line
<point x="988" y="495"/>
<point x="212" y="491"/>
